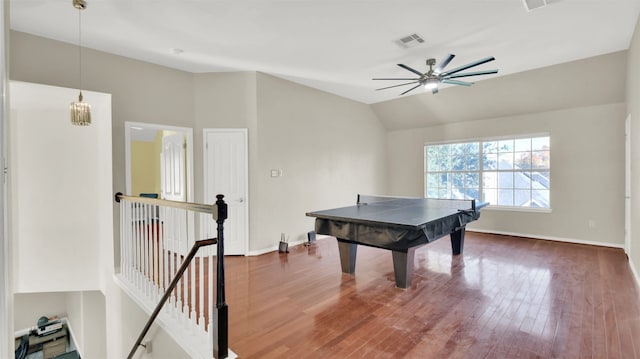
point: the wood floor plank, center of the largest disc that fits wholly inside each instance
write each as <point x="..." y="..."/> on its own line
<point x="504" y="297"/>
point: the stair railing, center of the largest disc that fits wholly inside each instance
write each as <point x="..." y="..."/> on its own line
<point x="221" y="314"/>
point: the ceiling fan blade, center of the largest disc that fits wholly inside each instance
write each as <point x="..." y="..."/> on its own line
<point x="476" y="73"/>
<point x="398" y="79"/>
<point x="410" y="69"/>
<point x="443" y="63"/>
<point x="388" y="87"/>
<point x="456" y="82"/>
<point x="468" y="66"/>
<point x="413" y="88"/>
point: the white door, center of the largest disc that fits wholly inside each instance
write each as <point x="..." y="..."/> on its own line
<point x="627" y="185"/>
<point x="226" y="173"/>
<point x="172" y="168"/>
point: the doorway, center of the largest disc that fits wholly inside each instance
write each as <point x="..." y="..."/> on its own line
<point x="226" y="172"/>
<point x="159" y="161"/>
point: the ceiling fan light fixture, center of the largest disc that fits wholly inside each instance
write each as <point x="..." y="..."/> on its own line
<point x="431" y="84"/>
<point x="430" y="79"/>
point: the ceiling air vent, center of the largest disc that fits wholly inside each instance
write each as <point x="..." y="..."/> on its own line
<point x="534" y="4"/>
<point x="410" y="41"/>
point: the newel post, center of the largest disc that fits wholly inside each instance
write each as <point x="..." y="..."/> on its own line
<point x="221" y="316"/>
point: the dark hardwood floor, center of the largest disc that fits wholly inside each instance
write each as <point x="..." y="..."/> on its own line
<point x="505" y="297"/>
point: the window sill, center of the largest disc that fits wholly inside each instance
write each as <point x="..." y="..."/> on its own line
<point x="517" y="209"/>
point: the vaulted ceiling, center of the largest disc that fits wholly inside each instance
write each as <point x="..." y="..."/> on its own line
<point x="335" y="45"/>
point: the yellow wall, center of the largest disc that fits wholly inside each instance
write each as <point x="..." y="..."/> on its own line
<point x="145" y="167"/>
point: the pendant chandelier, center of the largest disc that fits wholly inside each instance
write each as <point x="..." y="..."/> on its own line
<point x="80" y="111"/>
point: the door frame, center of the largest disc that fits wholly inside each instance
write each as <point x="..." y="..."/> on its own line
<point x="244" y="132"/>
<point x="188" y="132"/>
<point x="627" y="185"/>
<point x="6" y="281"/>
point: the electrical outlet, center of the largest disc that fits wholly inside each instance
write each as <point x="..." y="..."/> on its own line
<point x="592" y="223"/>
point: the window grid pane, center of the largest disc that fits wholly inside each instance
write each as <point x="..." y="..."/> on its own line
<point x="505" y="172"/>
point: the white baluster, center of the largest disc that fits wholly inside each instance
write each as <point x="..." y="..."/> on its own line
<point x="210" y="284"/>
<point x="193" y="315"/>
<point x="123" y="226"/>
<point x="164" y="277"/>
<point x="201" y="288"/>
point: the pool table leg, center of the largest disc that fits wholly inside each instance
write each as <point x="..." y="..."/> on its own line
<point x="403" y="267"/>
<point x="347" y="256"/>
<point x="457" y="241"/>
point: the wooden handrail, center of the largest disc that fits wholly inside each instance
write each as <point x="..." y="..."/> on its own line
<point x="196" y="207"/>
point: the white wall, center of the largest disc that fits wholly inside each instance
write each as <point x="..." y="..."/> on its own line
<point x="60" y="184"/>
<point x="31" y="306"/>
<point x="125" y="320"/>
<point x="61" y="210"/>
<point x="84" y="311"/>
<point x="587" y="171"/>
<point x="633" y="108"/>
<point x="6" y="287"/>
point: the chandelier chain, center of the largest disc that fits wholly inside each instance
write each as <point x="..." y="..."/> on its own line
<point x="80" y="46"/>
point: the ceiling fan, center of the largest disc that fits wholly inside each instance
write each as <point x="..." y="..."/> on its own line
<point x="433" y="77"/>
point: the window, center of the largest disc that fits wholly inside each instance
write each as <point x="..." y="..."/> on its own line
<point x="504" y="172"/>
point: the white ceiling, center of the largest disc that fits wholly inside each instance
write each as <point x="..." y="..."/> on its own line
<point x="336" y="45"/>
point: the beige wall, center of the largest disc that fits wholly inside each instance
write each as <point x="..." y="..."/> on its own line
<point x="633" y="108"/>
<point x="346" y="146"/>
<point x="334" y="148"/>
<point x="328" y="148"/>
<point x="141" y="92"/>
<point x="580" y="108"/>
<point x="569" y="85"/>
<point x="587" y="171"/>
<point x="223" y="100"/>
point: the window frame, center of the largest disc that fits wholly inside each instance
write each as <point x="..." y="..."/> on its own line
<point x="481" y="171"/>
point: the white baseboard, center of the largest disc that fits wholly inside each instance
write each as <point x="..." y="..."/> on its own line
<point x="73" y="338"/>
<point x="272" y="249"/>
<point x="275" y="248"/>
<point x="548" y="238"/>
